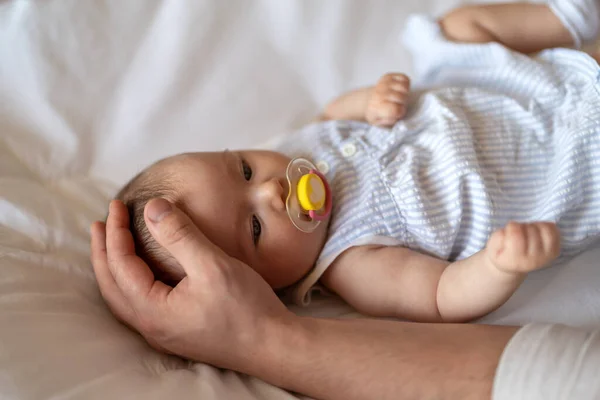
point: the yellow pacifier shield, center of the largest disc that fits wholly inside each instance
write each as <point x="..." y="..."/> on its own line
<point x="311" y="192"/>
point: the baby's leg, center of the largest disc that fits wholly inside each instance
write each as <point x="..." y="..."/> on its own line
<point x="524" y="27"/>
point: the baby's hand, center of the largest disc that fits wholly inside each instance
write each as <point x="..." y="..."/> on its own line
<point x="521" y="248"/>
<point x="387" y="104"/>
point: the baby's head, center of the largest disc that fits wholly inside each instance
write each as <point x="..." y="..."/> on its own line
<point x="237" y="199"/>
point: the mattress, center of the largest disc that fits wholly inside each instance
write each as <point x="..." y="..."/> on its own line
<point x="91" y="92"/>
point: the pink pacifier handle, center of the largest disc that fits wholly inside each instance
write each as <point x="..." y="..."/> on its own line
<point x="328" y="203"/>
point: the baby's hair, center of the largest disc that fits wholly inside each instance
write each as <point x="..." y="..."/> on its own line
<point x="145" y="186"/>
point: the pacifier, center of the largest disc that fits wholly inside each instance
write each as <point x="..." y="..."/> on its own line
<point x="309" y="199"/>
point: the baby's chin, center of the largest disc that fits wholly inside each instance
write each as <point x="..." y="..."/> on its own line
<point x="296" y="263"/>
<point x="297" y="275"/>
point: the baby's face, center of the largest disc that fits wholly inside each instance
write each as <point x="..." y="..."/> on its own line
<point x="238" y="200"/>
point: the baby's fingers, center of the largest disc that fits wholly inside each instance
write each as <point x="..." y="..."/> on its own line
<point x="399" y="83"/>
<point x="507" y="246"/>
<point x="550" y="238"/>
<point x="495" y="244"/>
<point x="390" y="110"/>
<point x="517" y="236"/>
<point x="535" y="243"/>
<point x="395" y="97"/>
<point x="386" y="114"/>
<point x="397" y="79"/>
<point x="543" y="239"/>
<point x="394" y="77"/>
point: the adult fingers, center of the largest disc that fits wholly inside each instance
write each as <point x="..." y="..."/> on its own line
<point x="174" y="230"/>
<point x="113" y="296"/>
<point x="131" y="274"/>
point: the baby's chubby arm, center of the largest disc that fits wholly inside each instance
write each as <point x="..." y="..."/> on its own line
<point x="523" y="27"/>
<point x="383" y="104"/>
<point x="398" y="282"/>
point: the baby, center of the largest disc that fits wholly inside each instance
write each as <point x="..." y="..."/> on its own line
<point x="402" y="202"/>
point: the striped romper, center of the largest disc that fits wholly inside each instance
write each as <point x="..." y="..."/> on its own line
<point x="498" y="136"/>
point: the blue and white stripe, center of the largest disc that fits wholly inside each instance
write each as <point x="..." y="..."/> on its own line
<point x="513" y="138"/>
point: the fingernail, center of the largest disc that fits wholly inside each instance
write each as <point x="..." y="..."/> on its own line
<point x="158" y="209"/>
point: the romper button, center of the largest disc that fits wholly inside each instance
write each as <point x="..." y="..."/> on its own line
<point x="348" y="150"/>
<point x="323" y="167"/>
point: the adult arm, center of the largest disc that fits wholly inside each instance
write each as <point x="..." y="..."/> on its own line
<point x="224" y="314"/>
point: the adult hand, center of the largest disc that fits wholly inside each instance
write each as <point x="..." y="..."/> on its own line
<point x="220" y="313"/>
<point x="223" y="313"/>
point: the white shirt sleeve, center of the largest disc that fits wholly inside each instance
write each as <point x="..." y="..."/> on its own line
<point x="550" y="362"/>
<point x="580" y="17"/>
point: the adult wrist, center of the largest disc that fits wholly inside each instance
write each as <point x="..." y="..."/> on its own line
<point x="280" y="340"/>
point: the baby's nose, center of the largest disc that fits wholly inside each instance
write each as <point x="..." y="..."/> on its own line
<point x="273" y="192"/>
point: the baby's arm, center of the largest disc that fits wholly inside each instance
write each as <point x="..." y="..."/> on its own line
<point x="383" y="104"/>
<point x="523" y="27"/>
<point x="398" y="282"/>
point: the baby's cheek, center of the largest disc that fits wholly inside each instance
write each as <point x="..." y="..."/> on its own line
<point x="297" y="252"/>
<point x="306" y="246"/>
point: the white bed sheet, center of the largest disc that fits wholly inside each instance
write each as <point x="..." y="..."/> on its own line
<point x="92" y="91"/>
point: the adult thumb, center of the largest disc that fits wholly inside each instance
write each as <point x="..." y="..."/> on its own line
<point x="176" y="232"/>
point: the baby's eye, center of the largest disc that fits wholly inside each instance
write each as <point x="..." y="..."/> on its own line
<point x="256" y="229"/>
<point x="246" y="170"/>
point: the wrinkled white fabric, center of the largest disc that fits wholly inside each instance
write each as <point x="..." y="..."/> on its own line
<point x="550" y="362"/>
<point x="92" y="91"/>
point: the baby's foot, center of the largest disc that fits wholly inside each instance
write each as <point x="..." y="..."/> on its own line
<point x="387" y="104"/>
<point x="521" y="248"/>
